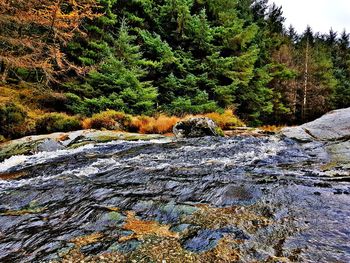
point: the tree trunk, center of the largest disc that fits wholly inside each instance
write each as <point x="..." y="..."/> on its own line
<point x="4" y="74"/>
<point x="306" y="79"/>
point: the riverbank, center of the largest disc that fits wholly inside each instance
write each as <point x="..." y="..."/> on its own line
<point x="210" y="199"/>
<point x="107" y="196"/>
<point x="18" y="120"/>
<point x="69" y="140"/>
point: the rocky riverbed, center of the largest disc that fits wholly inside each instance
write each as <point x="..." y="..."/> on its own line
<point x="266" y="198"/>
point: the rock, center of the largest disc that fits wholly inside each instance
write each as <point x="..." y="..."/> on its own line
<point x="207" y="239"/>
<point x="297" y="133"/>
<point x="196" y="127"/>
<point x="49" y="145"/>
<point x="329" y="134"/>
<point x="31" y="144"/>
<point x="332" y="126"/>
<point x="340" y="153"/>
<point x="58" y="141"/>
<point x="236" y="195"/>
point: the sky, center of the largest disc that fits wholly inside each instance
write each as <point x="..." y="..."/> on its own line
<point x="321" y="15"/>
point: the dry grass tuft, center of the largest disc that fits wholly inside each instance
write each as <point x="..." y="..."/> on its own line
<point x="271" y="128"/>
<point x="143" y="228"/>
<point x="212" y="217"/>
<point x="226" y="120"/>
<point x="12" y="175"/>
<point x="86" y="240"/>
<point x="225" y="251"/>
<point x="110" y="120"/>
<point x="23" y="212"/>
<point x="160" y="125"/>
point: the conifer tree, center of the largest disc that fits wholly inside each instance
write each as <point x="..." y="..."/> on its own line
<point x="317" y="79"/>
<point x="341" y="62"/>
<point x="34" y="34"/>
<point x="120" y="76"/>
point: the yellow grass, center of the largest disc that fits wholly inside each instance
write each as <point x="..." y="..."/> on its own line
<point x="143" y="228"/>
<point x="161" y="124"/>
<point x="271" y="128"/>
<point x="86" y="240"/>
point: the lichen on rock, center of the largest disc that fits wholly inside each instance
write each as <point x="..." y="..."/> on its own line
<point x="197" y="127"/>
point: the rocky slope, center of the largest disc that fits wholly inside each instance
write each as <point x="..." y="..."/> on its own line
<point x="327" y="137"/>
<point x="244" y="198"/>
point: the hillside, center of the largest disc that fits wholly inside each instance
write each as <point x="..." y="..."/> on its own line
<point x="164" y="57"/>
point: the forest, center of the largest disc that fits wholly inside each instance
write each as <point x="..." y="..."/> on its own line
<point x="62" y="61"/>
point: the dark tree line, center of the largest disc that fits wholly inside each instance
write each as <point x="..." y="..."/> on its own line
<point x="179" y="56"/>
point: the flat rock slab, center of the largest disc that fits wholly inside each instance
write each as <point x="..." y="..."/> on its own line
<point x="332" y="130"/>
<point x="332" y="126"/>
<point x="59" y="141"/>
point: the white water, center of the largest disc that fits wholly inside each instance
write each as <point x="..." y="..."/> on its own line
<point x="42" y="157"/>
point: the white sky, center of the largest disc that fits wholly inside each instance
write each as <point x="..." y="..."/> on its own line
<point x="321" y="15"/>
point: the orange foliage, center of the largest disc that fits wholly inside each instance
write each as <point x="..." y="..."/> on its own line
<point x="161" y="124"/>
<point x="34" y="33"/>
<point x="271" y="128"/>
<point x="86" y="124"/>
<point x="226" y="120"/>
<point x="143" y="124"/>
<point x="110" y="119"/>
<point x="86" y="240"/>
<point x="143" y="228"/>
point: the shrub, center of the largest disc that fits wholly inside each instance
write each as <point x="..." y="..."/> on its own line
<point x="2" y="138"/>
<point x="12" y="120"/>
<point x="161" y="124"/>
<point x="199" y="104"/>
<point x="75" y="104"/>
<point x="57" y="122"/>
<point x="111" y="120"/>
<point x="164" y="124"/>
<point x="53" y="101"/>
<point x="140" y="124"/>
<point x="226" y="120"/>
<point x="271" y="128"/>
<point x="88" y="107"/>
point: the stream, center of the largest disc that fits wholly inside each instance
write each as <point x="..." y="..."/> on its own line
<point x="238" y="199"/>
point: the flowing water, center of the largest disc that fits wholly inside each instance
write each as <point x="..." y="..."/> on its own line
<point x="243" y="199"/>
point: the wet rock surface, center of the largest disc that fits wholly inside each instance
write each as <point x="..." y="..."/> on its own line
<point x="70" y="140"/>
<point x="211" y="199"/>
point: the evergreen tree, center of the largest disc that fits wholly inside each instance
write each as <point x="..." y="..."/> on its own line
<point x="178" y="57"/>
<point x="341" y="62"/>
<point x="317" y="81"/>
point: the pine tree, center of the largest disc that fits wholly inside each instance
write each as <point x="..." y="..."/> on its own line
<point x="122" y="73"/>
<point x="341" y="62"/>
<point x="316" y="80"/>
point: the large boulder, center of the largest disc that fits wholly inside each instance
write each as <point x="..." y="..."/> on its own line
<point x="49" y="145"/>
<point x="333" y="126"/>
<point x="196" y="127"/>
<point x="328" y="135"/>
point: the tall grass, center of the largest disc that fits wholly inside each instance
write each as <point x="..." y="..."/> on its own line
<point x="161" y="124"/>
<point x="110" y="120"/>
<point x="226" y="120"/>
